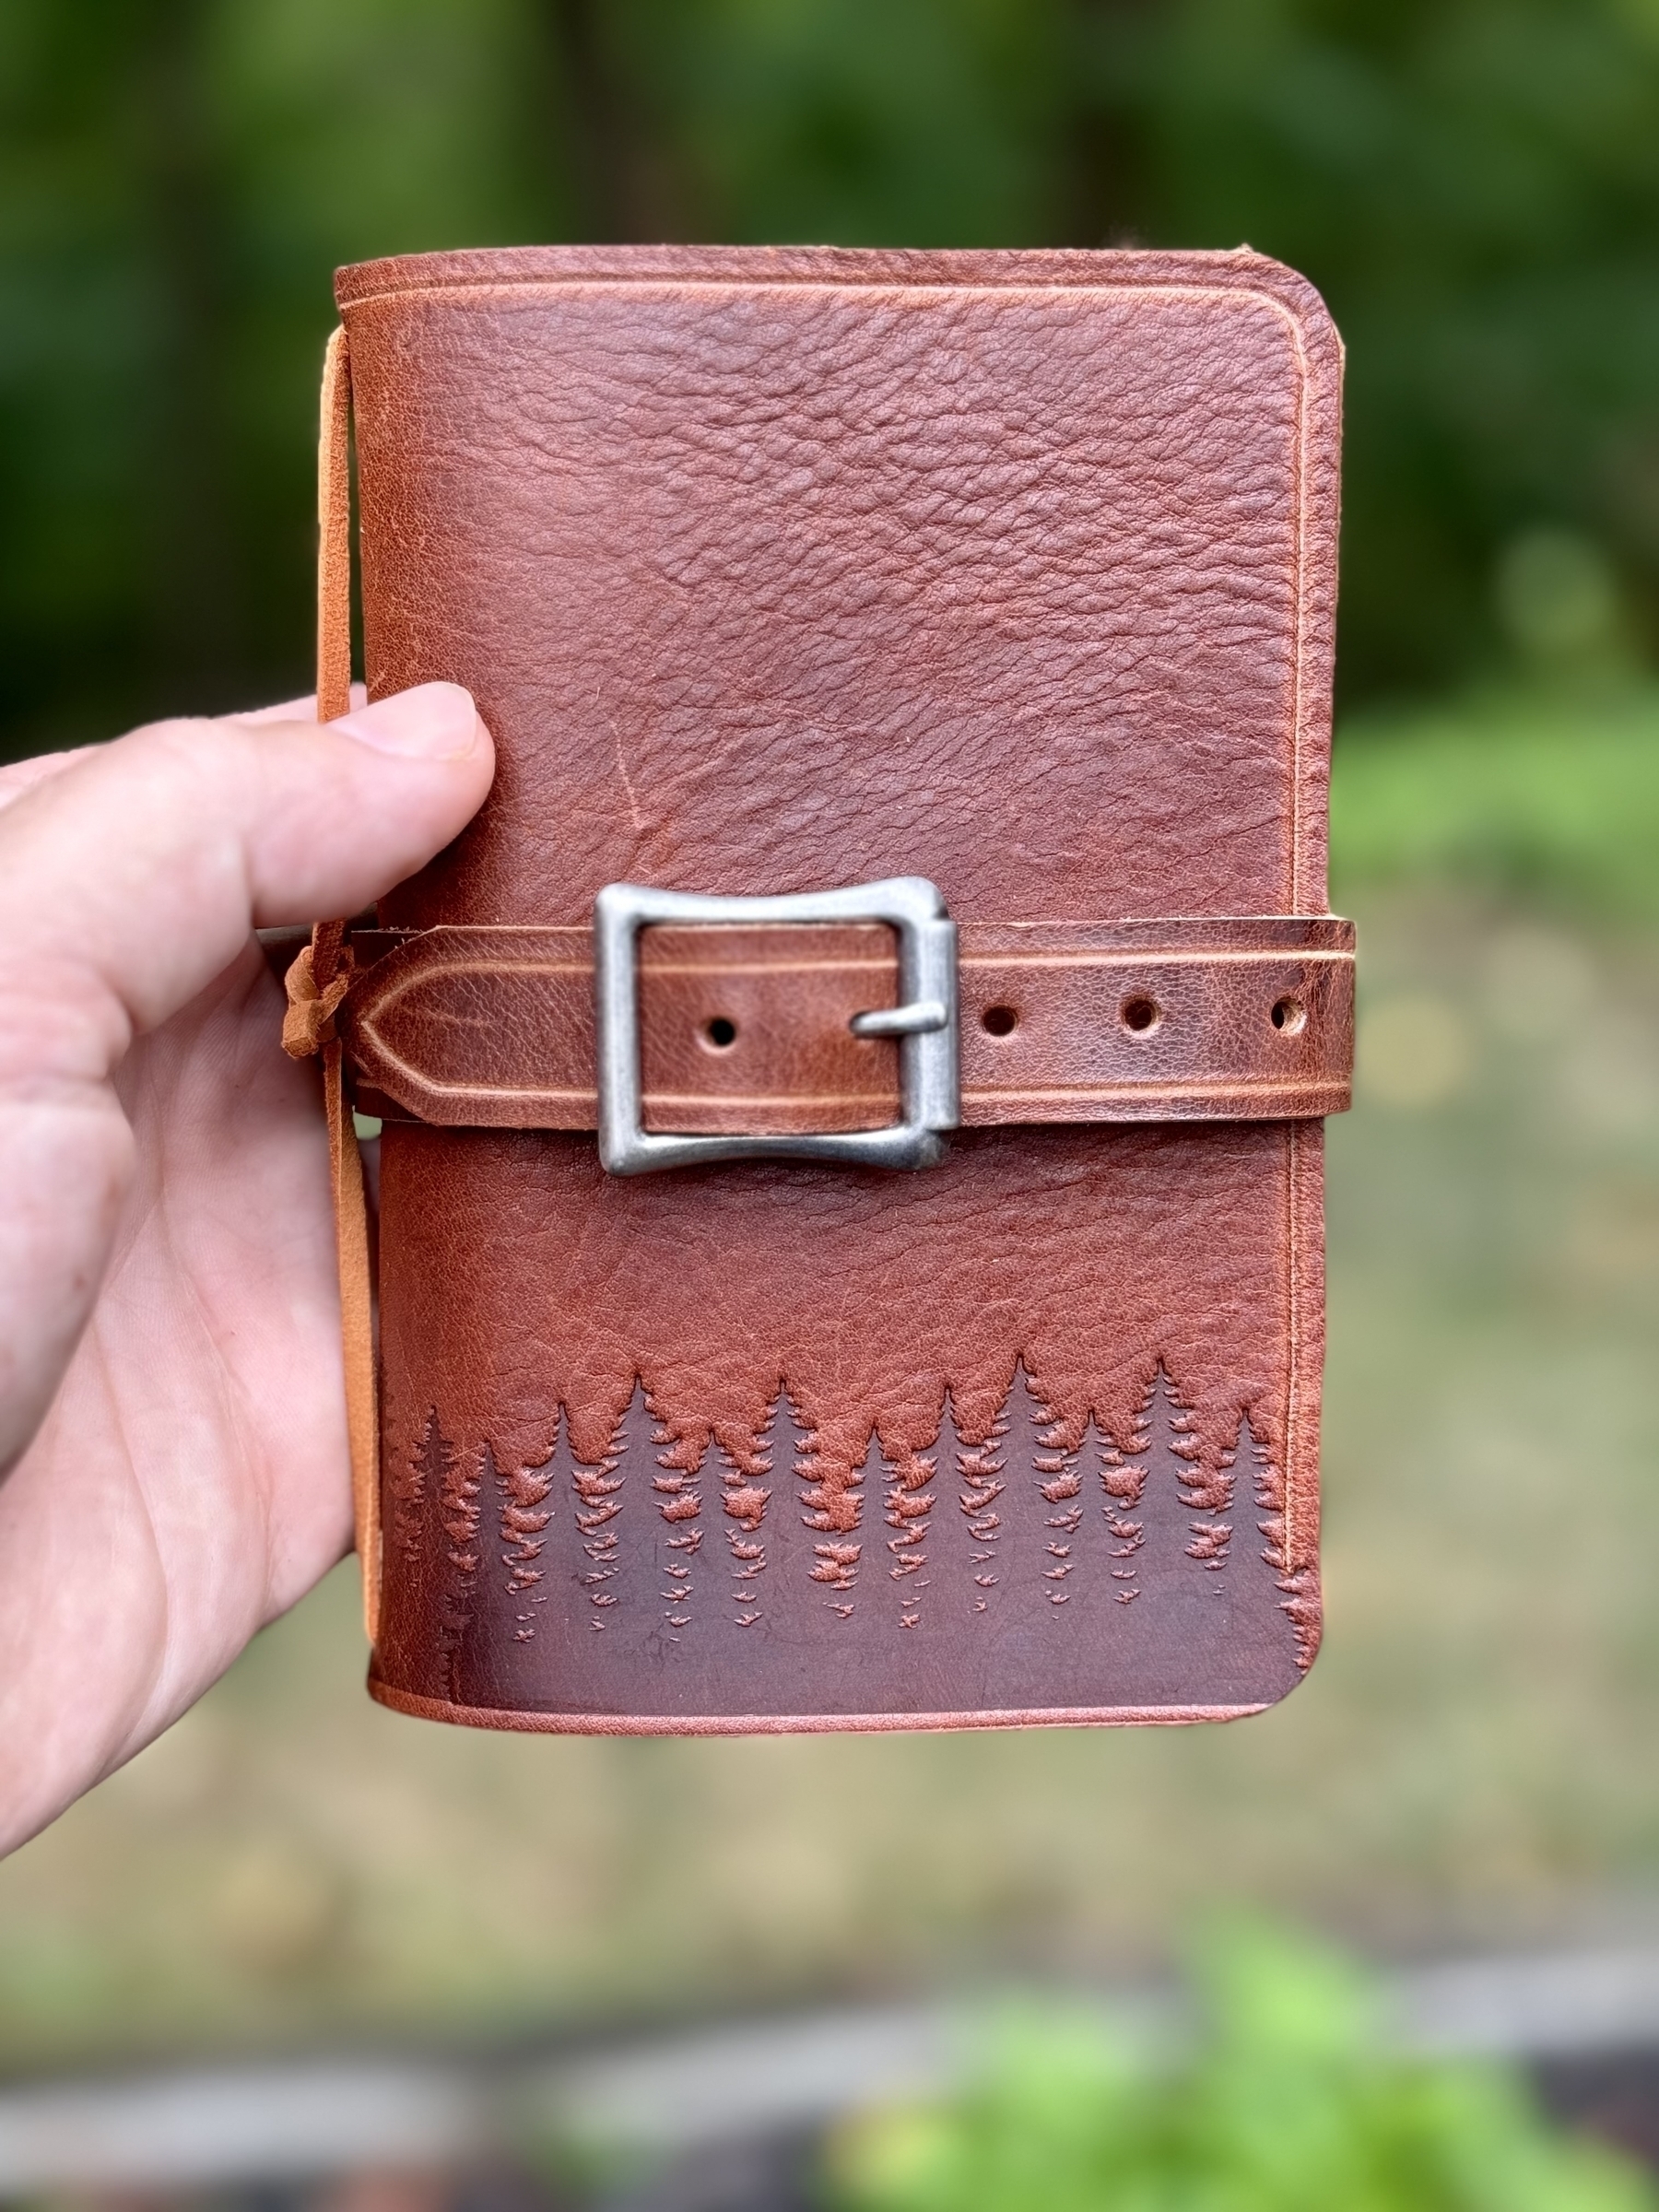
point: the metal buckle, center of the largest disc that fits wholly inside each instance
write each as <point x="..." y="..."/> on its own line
<point x="925" y="1023"/>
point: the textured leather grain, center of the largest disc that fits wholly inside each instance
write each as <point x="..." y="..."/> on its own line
<point x="781" y="570"/>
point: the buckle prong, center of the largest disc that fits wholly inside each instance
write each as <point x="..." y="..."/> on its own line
<point x="919" y="1019"/>
<point x="925" y="1023"/>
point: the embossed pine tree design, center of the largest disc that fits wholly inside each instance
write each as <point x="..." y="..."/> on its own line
<point x="1240" y="1538"/>
<point x="831" y="1507"/>
<point x="1154" y="1491"/>
<point x="1259" y="1535"/>
<point x="978" y="1472"/>
<point x="1204" y="1493"/>
<point x="910" y="1504"/>
<point x="1060" y="1486"/>
<point x="421" y="1478"/>
<point x="744" y="1499"/>
<point x="459" y="1514"/>
<point x="598" y="1501"/>
<point x="1123" y="1479"/>
<point x="524" y="1517"/>
<point x="680" y="1501"/>
<point x="1038" y="1509"/>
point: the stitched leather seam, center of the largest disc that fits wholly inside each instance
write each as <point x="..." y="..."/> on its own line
<point x="1146" y="1086"/>
<point x="1167" y="956"/>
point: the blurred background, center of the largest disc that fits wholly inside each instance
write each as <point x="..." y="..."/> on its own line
<point x="1473" y="185"/>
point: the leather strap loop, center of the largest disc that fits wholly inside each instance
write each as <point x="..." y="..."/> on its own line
<point x="745" y="1029"/>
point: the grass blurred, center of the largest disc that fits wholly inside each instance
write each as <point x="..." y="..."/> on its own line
<point x="1471" y="1761"/>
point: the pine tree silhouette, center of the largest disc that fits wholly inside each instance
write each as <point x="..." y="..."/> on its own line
<point x="910" y="1504"/>
<point x="599" y="1502"/>
<point x="413" y="1562"/>
<point x="1268" y="1602"/>
<point x="524" y="1517"/>
<point x="414" y="1485"/>
<point x="1060" y="1489"/>
<point x="836" y="1567"/>
<point x="1170" y="1558"/>
<point x="832" y="1511"/>
<point x="745" y="1500"/>
<point x="813" y="1587"/>
<point x="1037" y="1508"/>
<point x="459" y="1515"/>
<point x="1202" y="1493"/>
<point x="976" y="1473"/>
<point x="1123" y="1479"/>
<point x="1241" y="1534"/>
<point x="679" y="1502"/>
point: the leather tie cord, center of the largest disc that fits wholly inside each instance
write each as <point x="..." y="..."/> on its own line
<point x="317" y="983"/>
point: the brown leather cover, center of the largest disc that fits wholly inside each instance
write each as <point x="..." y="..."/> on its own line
<point x="778" y="570"/>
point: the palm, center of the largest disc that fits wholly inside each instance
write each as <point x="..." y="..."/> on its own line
<point x="172" y="1405"/>
<point x="195" y="1455"/>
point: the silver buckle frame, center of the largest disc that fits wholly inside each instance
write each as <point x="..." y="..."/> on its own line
<point x="925" y="1023"/>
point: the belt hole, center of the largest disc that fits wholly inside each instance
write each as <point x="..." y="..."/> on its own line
<point x="999" y="1021"/>
<point x="1139" y="1016"/>
<point x="720" y="1034"/>
<point x="1289" y="1016"/>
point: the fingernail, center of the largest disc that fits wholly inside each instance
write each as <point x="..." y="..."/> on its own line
<point x="433" y="722"/>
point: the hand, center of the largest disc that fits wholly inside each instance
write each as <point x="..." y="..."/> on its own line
<point x="172" y="1409"/>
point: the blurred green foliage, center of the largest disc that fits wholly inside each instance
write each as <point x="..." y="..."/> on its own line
<point x="1474" y="185"/>
<point x="1286" y="2103"/>
<point x="1507" y="792"/>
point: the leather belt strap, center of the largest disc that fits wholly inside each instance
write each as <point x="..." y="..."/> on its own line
<point x="743" y="1029"/>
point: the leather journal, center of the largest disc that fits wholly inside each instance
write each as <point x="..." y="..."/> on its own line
<point x="850" y="1230"/>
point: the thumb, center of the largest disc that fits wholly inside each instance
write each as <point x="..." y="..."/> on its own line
<point x="129" y="880"/>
